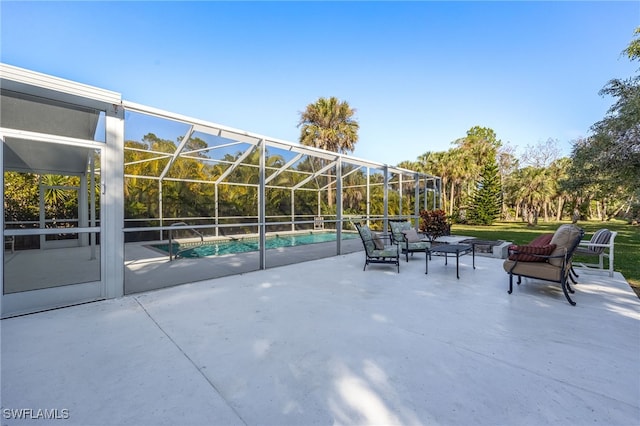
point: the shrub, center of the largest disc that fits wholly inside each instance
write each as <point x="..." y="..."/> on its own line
<point x="434" y="223"/>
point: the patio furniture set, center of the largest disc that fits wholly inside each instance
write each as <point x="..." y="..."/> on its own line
<point x="403" y="239"/>
<point x="549" y="257"/>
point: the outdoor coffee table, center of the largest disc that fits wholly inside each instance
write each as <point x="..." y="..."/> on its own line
<point x="478" y="242"/>
<point x="447" y="249"/>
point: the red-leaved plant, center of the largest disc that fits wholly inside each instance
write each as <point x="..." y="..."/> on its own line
<point x="434" y="223"/>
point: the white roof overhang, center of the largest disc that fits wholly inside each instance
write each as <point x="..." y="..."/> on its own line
<point x="42" y="104"/>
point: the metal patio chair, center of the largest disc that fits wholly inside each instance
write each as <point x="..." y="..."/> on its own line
<point x="375" y="249"/>
<point x="398" y="236"/>
<point x="547" y="263"/>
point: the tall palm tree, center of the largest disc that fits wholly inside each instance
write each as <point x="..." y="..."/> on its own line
<point x="457" y="165"/>
<point x="435" y="163"/>
<point x="508" y="165"/>
<point x="534" y="191"/>
<point x="559" y="172"/>
<point x="329" y="124"/>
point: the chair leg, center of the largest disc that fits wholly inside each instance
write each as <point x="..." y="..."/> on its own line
<point x="574" y="272"/>
<point x="573" y="276"/>
<point x="510" y="284"/>
<point x="566" y="294"/>
<point x="569" y="286"/>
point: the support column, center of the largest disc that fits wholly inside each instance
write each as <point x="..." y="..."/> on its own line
<point x="368" y="195"/>
<point x="261" y="206"/>
<point x="293" y="210"/>
<point x="385" y="222"/>
<point x="92" y="185"/>
<point x="339" y="206"/>
<point x="42" y="216"/>
<point x="215" y="206"/>
<point x="2" y="220"/>
<point x="400" y="195"/>
<point x="112" y="202"/>
<point x="160" y="207"/>
<point x="416" y="201"/>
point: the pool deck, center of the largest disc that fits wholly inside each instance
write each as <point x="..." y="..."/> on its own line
<point x="149" y="269"/>
<point x="324" y="342"/>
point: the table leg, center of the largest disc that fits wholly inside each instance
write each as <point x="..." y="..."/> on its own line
<point x="426" y="261"/>
<point x="457" y="267"/>
<point x="473" y="252"/>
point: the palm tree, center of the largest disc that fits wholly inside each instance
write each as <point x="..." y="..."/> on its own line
<point x="558" y="171"/>
<point x="534" y="192"/>
<point x="508" y="165"/>
<point x="55" y="194"/>
<point x="457" y="165"/>
<point x="329" y="124"/>
<point x="435" y="163"/>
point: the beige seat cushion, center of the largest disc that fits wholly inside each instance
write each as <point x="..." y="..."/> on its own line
<point x="411" y="235"/>
<point x="544" y="271"/>
<point x="564" y="237"/>
<point x="377" y="242"/>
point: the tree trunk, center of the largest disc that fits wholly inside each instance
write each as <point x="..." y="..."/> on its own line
<point x="530" y="216"/>
<point x="560" y="207"/>
<point x="443" y="196"/>
<point x="451" y="195"/>
<point x="618" y="210"/>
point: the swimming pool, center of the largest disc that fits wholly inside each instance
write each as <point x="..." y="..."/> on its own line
<point x="243" y="245"/>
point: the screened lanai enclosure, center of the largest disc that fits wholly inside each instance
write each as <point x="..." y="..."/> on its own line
<point x="105" y="197"/>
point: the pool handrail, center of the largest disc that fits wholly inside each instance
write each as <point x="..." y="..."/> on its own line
<point x="182" y="225"/>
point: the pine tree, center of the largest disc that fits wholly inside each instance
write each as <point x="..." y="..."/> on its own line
<point x="486" y="201"/>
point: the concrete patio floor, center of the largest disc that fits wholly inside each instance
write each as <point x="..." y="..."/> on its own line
<point x="323" y="342"/>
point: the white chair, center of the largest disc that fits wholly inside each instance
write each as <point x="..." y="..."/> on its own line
<point x="318" y="222"/>
<point x="601" y="245"/>
<point x="11" y="243"/>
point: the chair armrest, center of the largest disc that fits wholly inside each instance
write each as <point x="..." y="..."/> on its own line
<point x="386" y="237"/>
<point x="588" y="244"/>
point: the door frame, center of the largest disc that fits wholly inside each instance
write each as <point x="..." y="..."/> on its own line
<point x="19" y="303"/>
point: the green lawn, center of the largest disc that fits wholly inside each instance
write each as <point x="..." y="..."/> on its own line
<point x="627" y="242"/>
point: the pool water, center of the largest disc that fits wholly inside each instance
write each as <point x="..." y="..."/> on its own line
<point x="216" y="248"/>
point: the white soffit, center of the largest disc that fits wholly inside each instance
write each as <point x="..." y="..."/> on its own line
<point x="46" y="86"/>
<point x="45" y="158"/>
<point x="38" y="103"/>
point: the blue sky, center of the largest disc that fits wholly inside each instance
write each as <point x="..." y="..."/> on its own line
<point x="419" y="74"/>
